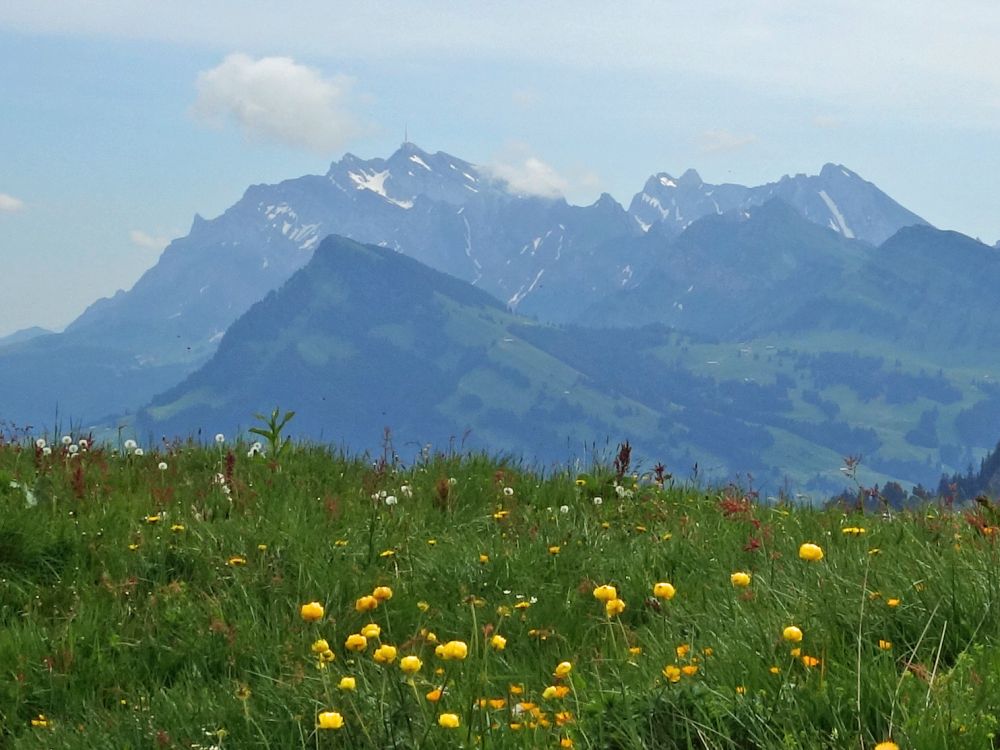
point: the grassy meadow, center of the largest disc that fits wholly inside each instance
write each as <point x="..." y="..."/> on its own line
<point x="216" y="597"/>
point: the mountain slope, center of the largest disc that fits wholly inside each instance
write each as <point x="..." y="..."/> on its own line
<point x="364" y="338"/>
<point x="836" y="198"/>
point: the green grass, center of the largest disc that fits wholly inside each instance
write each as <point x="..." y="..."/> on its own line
<point x="142" y="607"/>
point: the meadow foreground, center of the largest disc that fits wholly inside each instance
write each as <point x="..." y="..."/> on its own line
<point x="213" y="597"/>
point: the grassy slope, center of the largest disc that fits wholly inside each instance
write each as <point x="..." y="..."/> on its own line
<point x="142" y="607"/>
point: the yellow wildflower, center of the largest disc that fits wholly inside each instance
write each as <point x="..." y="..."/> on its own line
<point x="385" y="654"/>
<point x="382" y="593"/>
<point x="498" y="643"/>
<point x="605" y="593"/>
<point x="740" y="579"/>
<point x="329" y="720"/>
<point x="311" y="612"/>
<point x="792" y="633"/>
<point x="614" y="607"/>
<point x="811" y="552"/>
<point x="356" y="642"/>
<point x="448" y="721"/>
<point x="664" y="590"/>
<point x="410" y="664"/>
<point x="348" y="683"/>
<point x="371" y="630"/>
<point x="366" y="604"/>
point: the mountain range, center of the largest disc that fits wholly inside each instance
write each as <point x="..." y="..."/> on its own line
<point x="770" y="329"/>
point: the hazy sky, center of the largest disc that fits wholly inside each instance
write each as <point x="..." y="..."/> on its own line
<point x="123" y="118"/>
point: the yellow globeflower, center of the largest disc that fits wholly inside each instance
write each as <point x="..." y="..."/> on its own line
<point x="740" y="579"/>
<point x="672" y="672"/>
<point x="385" y="654"/>
<point x="887" y="745"/>
<point x="410" y="664"/>
<point x="811" y="552"/>
<point x="382" y="593"/>
<point x="348" y="683"/>
<point x="614" y="607"/>
<point x="563" y="669"/>
<point x="498" y="642"/>
<point x="605" y="593"/>
<point x="366" y="604"/>
<point x="664" y="590"/>
<point x="371" y="630"/>
<point x="448" y="721"/>
<point x="320" y="646"/>
<point x="454" y="650"/>
<point x="329" y="720"/>
<point x="311" y="612"/>
<point x="356" y="642"/>
<point x="792" y="633"/>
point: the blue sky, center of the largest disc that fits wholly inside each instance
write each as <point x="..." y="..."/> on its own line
<point x="122" y="119"/>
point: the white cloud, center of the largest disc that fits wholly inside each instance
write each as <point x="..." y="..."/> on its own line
<point x="9" y="204"/>
<point x="718" y="141"/>
<point x="147" y="241"/>
<point x="526" y="173"/>
<point x="277" y="99"/>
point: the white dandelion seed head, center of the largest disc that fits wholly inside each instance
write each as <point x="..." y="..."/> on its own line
<point x="406" y="491"/>
<point x="598" y="501"/>
<point x="620" y="491"/>
<point x="131" y="445"/>
<point x="564" y="509"/>
<point x="73" y="449"/>
<point x="46" y="451"/>
<point x="40" y="443"/>
<point x="66" y="440"/>
<point x="257" y="446"/>
<point x="139" y="452"/>
<point x="220" y="438"/>
<point x="508" y="491"/>
<point x="391" y="500"/>
<point x="82" y="442"/>
<point x="162" y="466"/>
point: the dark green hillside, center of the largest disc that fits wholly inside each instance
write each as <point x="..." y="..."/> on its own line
<point x="364" y="338"/>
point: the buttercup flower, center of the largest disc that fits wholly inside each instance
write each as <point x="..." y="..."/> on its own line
<point x="382" y="593"/>
<point x="605" y="593"/>
<point x="672" y="672"/>
<point x="448" y="721"/>
<point x="454" y="650"/>
<point x="740" y="579"/>
<point x="366" y="604"/>
<point x="311" y="612"/>
<point x="385" y="654"/>
<point x="614" y="607"/>
<point x="329" y="720"/>
<point x="410" y="664"/>
<point x="887" y="745"/>
<point x="563" y="669"/>
<point x="319" y="646"/>
<point x="371" y="630"/>
<point x="434" y="695"/>
<point x="348" y="683"/>
<point x="356" y="642"/>
<point x="664" y="590"/>
<point x="811" y="552"/>
<point x="498" y="643"/>
<point x="792" y="633"/>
